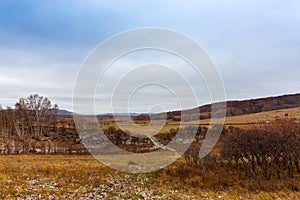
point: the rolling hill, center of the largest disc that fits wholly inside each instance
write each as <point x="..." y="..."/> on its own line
<point x="244" y="107"/>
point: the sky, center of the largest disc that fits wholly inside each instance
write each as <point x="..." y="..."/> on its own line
<point x="254" y="44"/>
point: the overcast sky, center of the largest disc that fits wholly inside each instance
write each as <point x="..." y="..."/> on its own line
<point x="254" y="44"/>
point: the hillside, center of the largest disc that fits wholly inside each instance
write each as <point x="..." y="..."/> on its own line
<point x="244" y="107"/>
<point x="259" y="118"/>
<point x="63" y="138"/>
<point x="62" y="112"/>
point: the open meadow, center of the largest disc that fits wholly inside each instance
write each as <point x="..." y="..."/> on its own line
<point x="243" y="121"/>
<point x="83" y="177"/>
<point x="256" y="157"/>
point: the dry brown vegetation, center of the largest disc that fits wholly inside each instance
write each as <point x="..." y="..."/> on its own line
<point x="217" y="176"/>
<point x="270" y="150"/>
<point x="257" y="157"/>
<point x="243" y="121"/>
<point x="83" y="177"/>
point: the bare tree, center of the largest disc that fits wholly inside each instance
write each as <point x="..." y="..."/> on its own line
<point x="8" y="123"/>
<point x="1" y="122"/>
<point x="21" y="118"/>
<point x="38" y="112"/>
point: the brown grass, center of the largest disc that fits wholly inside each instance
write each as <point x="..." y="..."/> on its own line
<point x="73" y="177"/>
<point x="237" y="121"/>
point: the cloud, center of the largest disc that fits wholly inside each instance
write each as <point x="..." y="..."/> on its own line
<point x="255" y="44"/>
<point x="26" y="72"/>
<point x="7" y="80"/>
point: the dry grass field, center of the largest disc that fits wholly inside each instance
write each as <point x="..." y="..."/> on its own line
<point x="261" y="117"/>
<point x="237" y="121"/>
<point x="83" y="177"/>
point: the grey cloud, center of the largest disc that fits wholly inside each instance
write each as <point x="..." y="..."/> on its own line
<point x="255" y="45"/>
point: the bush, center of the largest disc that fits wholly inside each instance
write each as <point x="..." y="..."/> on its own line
<point x="271" y="149"/>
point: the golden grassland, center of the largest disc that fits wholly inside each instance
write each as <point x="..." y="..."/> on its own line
<point x="261" y="117"/>
<point x="83" y="177"/>
<point x="237" y="121"/>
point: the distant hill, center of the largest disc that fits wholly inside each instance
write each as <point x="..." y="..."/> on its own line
<point x="110" y="115"/>
<point x="60" y="112"/>
<point x="63" y="138"/>
<point x="64" y="112"/>
<point x="243" y="107"/>
<point x="235" y="108"/>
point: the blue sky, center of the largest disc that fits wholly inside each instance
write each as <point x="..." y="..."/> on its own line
<point x="255" y="44"/>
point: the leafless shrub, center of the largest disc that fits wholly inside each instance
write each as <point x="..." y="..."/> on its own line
<point x="271" y="149"/>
